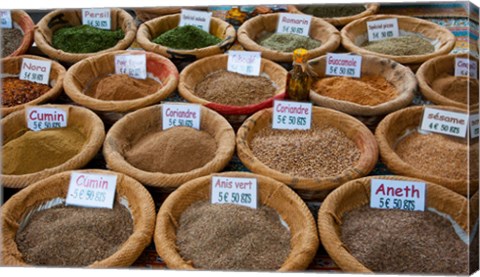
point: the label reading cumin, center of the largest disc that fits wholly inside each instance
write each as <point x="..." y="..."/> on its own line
<point x="289" y="23"/>
<point x="91" y="190"/>
<point x="343" y="65"/>
<point x="134" y="66"/>
<point x="444" y="122"/>
<point x="398" y="195"/>
<point x="39" y="118"/>
<point x="244" y="62"/>
<point x="37" y="71"/>
<point x="466" y="68"/>
<point x="98" y="18"/>
<point x="181" y="115"/>
<point x="289" y="115"/>
<point x="198" y="19"/>
<point x="230" y="190"/>
<point x="5" y="19"/>
<point x="382" y="29"/>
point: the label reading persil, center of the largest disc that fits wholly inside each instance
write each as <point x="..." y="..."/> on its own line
<point x="134" y="66"/>
<point x="98" y="18"/>
<point x="37" y="71"/>
<point x="399" y="195"/>
<point x="444" y="122"/>
<point x="244" y="62"/>
<point x="466" y="68"/>
<point x="343" y="65"/>
<point x="382" y="29"/>
<point x="298" y="24"/>
<point x="91" y="190"/>
<point x="289" y="115"/>
<point x="39" y="118"/>
<point x="198" y="19"/>
<point x="181" y="115"/>
<point x="5" y="19"/>
<point x="239" y="191"/>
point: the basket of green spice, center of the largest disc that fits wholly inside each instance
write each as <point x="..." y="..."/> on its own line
<point x="438" y="83"/>
<point x="278" y="235"/>
<point x="418" y="41"/>
<point x="39" y="229"/>
<point x="35" y="155"/>
<point x="138" y="145"/>
<point x="362" y="239"/>
<point x="258" y="34"/>
<point x="61" y="35"/>
<point x="164" y="36"/>
<point x="17" y="40"/>
<point x="337" y="15"/>
<point x="17" y="93"/>
<point x="434" y="157"/>
<point x="336" y="149"/>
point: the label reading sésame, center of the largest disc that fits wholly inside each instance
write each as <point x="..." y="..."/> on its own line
<point x="39" y="118"/>
<point x="343" y="65"/>
<point x="466" y="68"/>
<point x="444" y="122"/>
<point x="134" y="66"/>
<point x="198" y="19"/>
<point x="289" y="23"/>
<point x="91" y="190"/>
<point x="289" y="115"/>
<point x="98" y="18"/>
<point x="6" y="19"/>
<point x="244" y="62"/>
<point x="382" y="29"/>
<point x="180" y="115"/>
<point x="400" y="195"/>
<point x="229" y="190"/>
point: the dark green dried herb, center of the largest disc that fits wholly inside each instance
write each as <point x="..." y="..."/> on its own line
<point x="186" y="38"/>
<point x="85" y="39"/>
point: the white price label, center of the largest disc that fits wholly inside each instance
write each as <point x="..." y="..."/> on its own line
<point x="466" y="68"/>
<point x="6" y="19"/>
<point x="240" y="191"/>
<point x="398" y="195"/>
<point x="244" y="62"/>
<point x="289" y="23"/>
<point x="474" y="130"/>
<point x="198" y="19"/>
<point x="444" y="122"/>
<point x="39" y="118"/>
<point x="91" y="190"/>
<point x="289" y="115"/>
<point x="37" y="71"/>
<point x="181" y="115"/>
<point x="134" y="66"/>
<point x="98" y="18"/>
<point x="343" y="65"/>
<point x="382" y="29"/>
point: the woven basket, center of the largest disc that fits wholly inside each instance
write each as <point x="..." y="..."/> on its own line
<point x="80" y="75"/>
<point x="155" y="27"/>
<point x="21" y="20"/>
<point x="271" y="193"/>
<point x="11" y="67"/>
<point x="128" y="130"/>
<point x="370" y="9"/>
<point x="434" y="68"/>
<point x="393" y="127"/>
<point x="308" y="188"/>
<point x="355" y="34"/>
<point x="355" y="194"/>
<point x="267" y="23"/>
<point x="146" y="14"/>
<point x="139" y="201"/>
<point x="58" y="19"/>
<point x="85" y="120"/>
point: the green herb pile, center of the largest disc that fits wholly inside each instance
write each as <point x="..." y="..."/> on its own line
<point x="85" y="39"/>
<point x="186" y="38"/>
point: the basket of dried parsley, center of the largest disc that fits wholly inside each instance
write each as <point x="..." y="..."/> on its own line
<point x="365" y="240"/>
<point x="61" y="35"/>
<point x="40" y="230"/>
<point x="18" y="39"/>
<point x="279" y="235"/>
<point x="336" y="149"/>
<point x="17" y="93"/>
<point x="162" y="35"/>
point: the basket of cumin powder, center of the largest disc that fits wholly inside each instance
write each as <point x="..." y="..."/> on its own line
<point x="164" y="159"/>
<point x="40" y="230"/>
<point x="191" y="233"/>
<point x="29" y="156"/>
<point x="434" y="157"/>
<point x="336" y="149"/>
<point x="364" y="240"/>
<point x="17" y="40"/>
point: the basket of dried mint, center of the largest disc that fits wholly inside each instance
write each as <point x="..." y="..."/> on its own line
<point x="62" y="34"/>
<point x="164" y="36"/>
<point x="18" y="39"/>
<point x="39" y="229"/>
<point x="279" y="235"/>
<point x="362" y="239"/>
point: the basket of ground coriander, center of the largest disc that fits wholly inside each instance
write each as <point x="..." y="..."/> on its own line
<point x="364" y="240"/>
<point x="442" y="159"/>
<point x="138" y="146"/>
<point x="18" y="39"/>
<point x="258" y="34"/>
<point x="336" y="149"/>
<point x="61" y="35"/>
<point x="418" y="41"/>
<point x="39" y="229"/>
<point x="162" y="35"/>
<point x="278" y="235"/>
<point x="30" y="156"/>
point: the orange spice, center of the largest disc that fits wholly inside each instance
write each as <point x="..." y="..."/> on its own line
<point x="16" y="92"/>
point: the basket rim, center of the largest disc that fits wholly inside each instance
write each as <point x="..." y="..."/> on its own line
<point x="27" y="40"/>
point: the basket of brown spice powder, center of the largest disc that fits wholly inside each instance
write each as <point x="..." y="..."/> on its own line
<point x="39" y="229"/>
<point x="138" y="145"/>
<point x="438" y="158"/>
<point x="337" y="148"/>
<point x="364" y="240"/>
<point x="18" y="39"/>
<point x="279" y="235"/>
<point x="29" y="156"/>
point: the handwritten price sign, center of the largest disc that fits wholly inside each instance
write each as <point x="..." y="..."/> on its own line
<point x="98" y="18"/>
<point x="289" y="23"/>
<point x="39" y="118"/>
<point x="5" y="19"/>
<point x="198" y="19"/>
<point x="244" y="62"/>
<point x="91" y="190"/>
<point x="181" y="115"/>
<point x="134" y="66"/>
<point x="382" y="29"/>
<point x="37" y="71"/>
<point x="399" y="195"/>
<point x="444" y="122"/>
<point x="343" y="65"/>
<point x="240" y="191"/>
<point x="290" y="115"/>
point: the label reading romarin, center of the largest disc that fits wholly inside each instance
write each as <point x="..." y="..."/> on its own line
<point x="230" y="190"/>
<point x="400" y="195"/>
<point x="91" y="190"/>
<point x="298" y="24"/>
<point x="39" y="118"/>
<point x="289" y="115"/>
<point x="180" y="115"/>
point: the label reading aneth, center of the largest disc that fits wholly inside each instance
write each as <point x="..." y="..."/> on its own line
<point x="466" y="68"/>
<point x="98" y="18"/>
<point x="399" y="195"/>
<point x="444" y="122"/>
<point x="298" y="24"/>
<point x="134" y="66"/>
<point x="180" y="115"/>
<point x="343" y="65"/>
<point x="230" y="190"/>
<point x="198" y="19"/>
<point x="39" y="118"/>
<point x="91" y="190"/>
<point x="289" y="115"/>
<point x="37" y="71"/>
<point x="6" y="19"/>
<point x="244" y="62"/>
<point x="382" y="29"/>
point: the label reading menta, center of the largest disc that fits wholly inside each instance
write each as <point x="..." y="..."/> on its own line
<point x="289" y="23"/>
<point x="399" y="195"/>
<point x="5" y="19"/>
<point x="37" y="71"/>
<point x="198" y="19"/>
<point x="444" y="122"/>
<point x="343" y="65"/>
<point x="39" y="118"/>
<point x="229" y="190"/>
<point x="382" y="29"/>
<point x="466" y="68"/>
<point x="98" y="18"/>
<point x="244" y="62"/>
<point x="180" y="115"/>
<point x="289" y="115"/>
<point x="134" y="66"/>
<point x="91" y="190"/>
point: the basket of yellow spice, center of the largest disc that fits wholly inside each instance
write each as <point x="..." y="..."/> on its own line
<point x="418" y="41"/>
<point x="337" y="148"/>
<point x="30" y="156"/>
<point x="164" y="36"/>
<point x="18" y="39"/>
<point x="258" y="34"/>
<point x="138" y="146"/>
<point x="17" y="93"/>
<point x="433" y="157"/>
<point x="62" y="36"/>
<point x="39" y="229"/>
<point x="362" y="239"/>
<point x="278" y="235"/>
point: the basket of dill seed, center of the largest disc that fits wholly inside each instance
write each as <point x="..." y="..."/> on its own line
<point x="164" y="36"/>
<point x="63" y="35"/>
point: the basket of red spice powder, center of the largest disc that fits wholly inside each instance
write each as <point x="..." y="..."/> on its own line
<point x="17" y="40"/>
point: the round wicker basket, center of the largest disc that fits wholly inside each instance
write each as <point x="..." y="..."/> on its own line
<point x="21" y="20"/>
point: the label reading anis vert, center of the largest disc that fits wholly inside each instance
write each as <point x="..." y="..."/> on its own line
<point x="400" y="195"/>
<point x="39" y="118"/>
<point x="5" y="19"/>
<point x="230" y="190"/>
<point x="98" y="18"/>
<point x="91" y="190"/>
<point x="290" y="115"/>
<point x="444" y="122"/>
